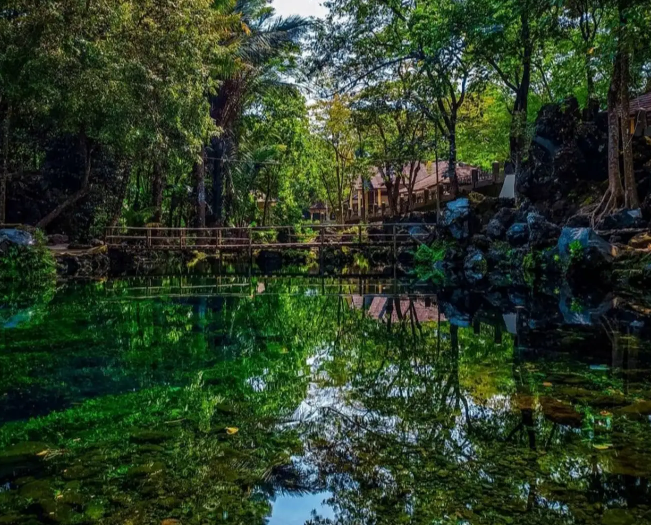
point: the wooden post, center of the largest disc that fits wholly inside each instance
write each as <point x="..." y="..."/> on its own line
<point x="149" y="237"/>
<point x="395" y="253"/>
<point x="322" y="235"/>
<point x="395" y="244"/>
<point x="250" y="246"/>
<point x="360" y="235"/>
<point x="496" y="172"/>
<point x="498" y="334"/>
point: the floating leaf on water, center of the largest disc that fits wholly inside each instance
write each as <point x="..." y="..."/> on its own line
<point x="602" y="447"/>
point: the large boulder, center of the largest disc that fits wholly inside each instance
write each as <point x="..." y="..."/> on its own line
<point x="495" y="229"/>
<point x="518" y="234"/>
<point x="542" y="233"/>
<point x="500" y="222"/>
<point x="457" y="218"/>
<point x="12" y="237"/>
<point x="57" y="239"/>
<point x="587" y="257"/>
<point x="574" y="242"/>
<point x="565" y="150"/>
<point x="622" y="220"/>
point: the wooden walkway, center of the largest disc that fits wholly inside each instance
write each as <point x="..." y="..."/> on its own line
<point x="250" y="239"/>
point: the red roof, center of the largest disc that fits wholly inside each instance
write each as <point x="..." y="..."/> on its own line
<point x="426" y="177"/>
<point x="642" y="103"/>
<point x="379" y="310"/>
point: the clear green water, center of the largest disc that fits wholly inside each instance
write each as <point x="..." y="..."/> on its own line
<point x="292" y="401"/>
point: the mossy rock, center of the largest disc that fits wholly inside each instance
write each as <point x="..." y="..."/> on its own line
<point x="79" y="471"/>
<point x="37" y="490"/>
<point x="26" y="451"/>
<point x="618" y="517"/>
<point x="58" y="512"/>
<point x="95" y="511"/>
<point x="146" y="469"/>
<point x="150" y="436"/>
<point x="641" y="408"/>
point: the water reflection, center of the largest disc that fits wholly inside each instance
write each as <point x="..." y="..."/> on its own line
<point x="241" y="400"/>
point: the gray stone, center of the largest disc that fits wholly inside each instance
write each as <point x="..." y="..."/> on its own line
<point x="456" y="218"/>
<point x="57" y="239"/>
<point x="518" y="234"/>
<point x="495" y="229"/>
<point x="542" y="233"/>
<point x="475" y="267"/>
<point x="17" y="237"/>
<point x="622" y="220"/>
<point x="585" y="239"/>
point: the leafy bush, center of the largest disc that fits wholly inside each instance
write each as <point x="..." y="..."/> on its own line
<point x="576" y="250"/>
<point x="27" y="274"/>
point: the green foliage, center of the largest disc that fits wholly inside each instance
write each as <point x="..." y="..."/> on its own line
<point x="27" y="275"/>
<point x="529" y="267"/>
<point x="576" y="250"/>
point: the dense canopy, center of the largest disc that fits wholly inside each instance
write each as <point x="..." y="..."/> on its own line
<point x="212" y="112"/>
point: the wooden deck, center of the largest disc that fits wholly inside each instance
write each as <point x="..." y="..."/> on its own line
<point x="250" y="239"/>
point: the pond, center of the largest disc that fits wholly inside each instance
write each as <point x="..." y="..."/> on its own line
<point x="288" y="400"/>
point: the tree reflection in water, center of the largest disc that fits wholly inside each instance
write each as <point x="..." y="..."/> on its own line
<point x="125" y="403"/>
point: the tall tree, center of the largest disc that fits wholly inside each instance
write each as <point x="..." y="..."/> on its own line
<point x="396" y="135"/>
<point x="264" y="49"/>
<point x="508" y="35"/>
<point x="333" y="125"/>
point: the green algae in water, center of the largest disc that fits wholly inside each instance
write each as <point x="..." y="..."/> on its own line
<point x="127" y="402"/>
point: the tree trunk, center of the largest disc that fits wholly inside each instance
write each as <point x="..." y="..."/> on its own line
<point x="136" y="202"/>
<point x="521" y="106"/>
<point x="157" y="193"/>
<point x="589" y="76"/>
<point x="217" y="163"/>
<point x="119" y="201"/>
<point x="631" y="198"/>
<point x="266" y="200"/>
<point x="452" y="158"/>
<point x="199" y="197"/>
<point x="80" y="193"/>
<point x="174" y="204"/>
<point x="393" y="192"/>
<point x="614" y="179"/>
<point x="5" y="167"/>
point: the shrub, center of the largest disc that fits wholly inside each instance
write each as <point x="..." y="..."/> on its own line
<point x="27" y="274"/>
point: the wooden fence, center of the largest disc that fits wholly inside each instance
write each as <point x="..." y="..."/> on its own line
<point x="271" y="238"/>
